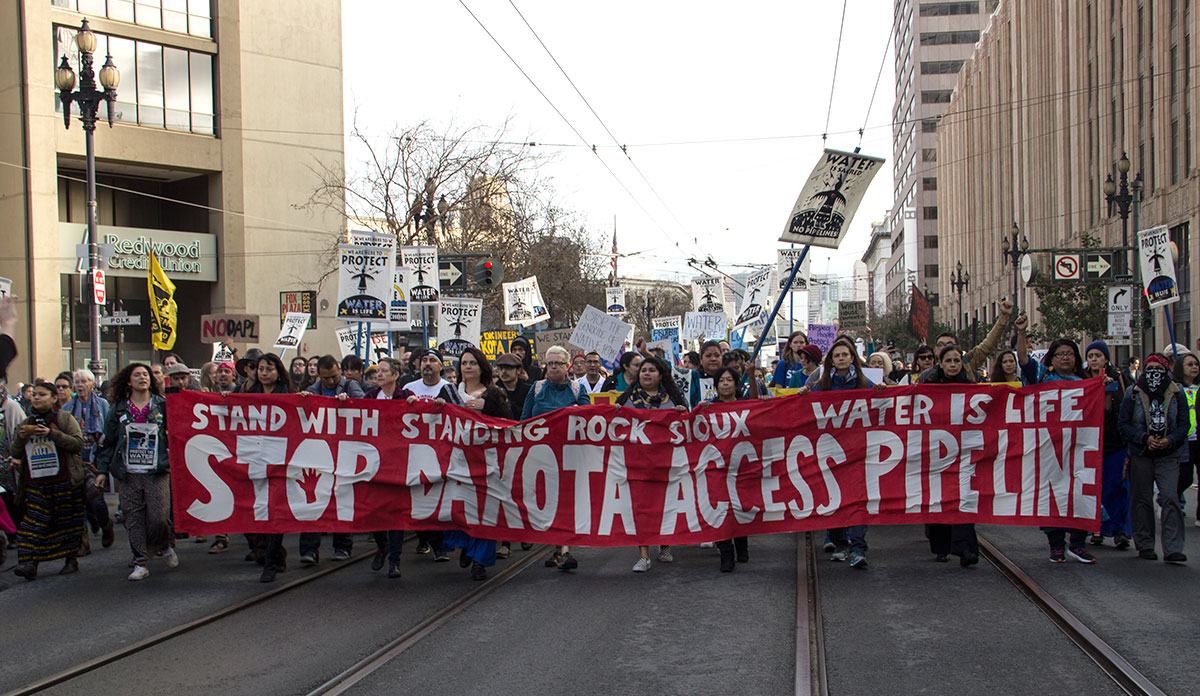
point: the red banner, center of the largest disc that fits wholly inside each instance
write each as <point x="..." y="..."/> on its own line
<point x="607" y="476"/>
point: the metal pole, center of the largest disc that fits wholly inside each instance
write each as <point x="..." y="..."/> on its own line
<point x="775" y="310"/>
<point x="1136" y="330"/>
<point x="93" y="249"/>
<point x="1171" y="331"/>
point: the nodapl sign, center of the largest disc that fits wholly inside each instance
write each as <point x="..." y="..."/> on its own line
<point x="458" y="325"/>
<point x="364" y="282"/>
<point x="829" y="199"/>
<point x="603" y="476"/>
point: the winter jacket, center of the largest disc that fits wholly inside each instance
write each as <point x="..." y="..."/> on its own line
<point x="1132" y="420"/>
<point x="516" y="397"/>
<point x="68" y="441"/>
<point x="532" y="371"/>
<point x="110" y="455"/>
<point x="843" y="382"/>
<point x="346" y="386"/>
<point x="546" y="396"/>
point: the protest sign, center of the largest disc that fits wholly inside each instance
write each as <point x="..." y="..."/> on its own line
<point x="291" y="332"/>
<point x="829" y="199"/>
<point x="5" y="287"/>
<point x="703" y="325"/>
<point x="852" y="316"/>
<point x="234" y="328"/>
<point x="398" y="319"/>
<point x="458" y="325"/>
<point x="599" y="332"/>
<point x="602" y="476"/>
<point x="523" y="303"/>
<point x="422" y="275"/>
<point x="555" y="337"/>
<point x="347" y="338"/>
<point x="496" y="343"/>
<point x="666" y="328"/>
<point x="822" y="336"/>
<point x="364" y="282"/>
<point x="222" y="352"/>
<point x="380" y="346"/>
<point x="708" y="294"/>
<point x="753" y="312"/>
<point x="614" y="300"/>
<point x="1158" y="266"/>
<point x="783" y="268"/>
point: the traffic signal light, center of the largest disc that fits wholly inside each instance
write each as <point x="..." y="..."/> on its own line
<point x="488" y="273"/>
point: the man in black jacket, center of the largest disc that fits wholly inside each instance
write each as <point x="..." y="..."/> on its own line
<point x="509" y="367"/>
<point x="520" y="347"/>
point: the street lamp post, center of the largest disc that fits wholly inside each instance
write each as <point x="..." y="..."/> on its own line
<point x="959" y="282"/>
<point x="88" y="99"/>
<point x="1126" y="195"/>
<point x="1013" y="251"/>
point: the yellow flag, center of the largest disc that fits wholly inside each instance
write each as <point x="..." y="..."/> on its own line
<point x="163" y="310"/>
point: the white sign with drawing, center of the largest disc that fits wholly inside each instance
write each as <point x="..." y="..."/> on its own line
<point x="292" y="330"/>
<point x="459" y="324"/>
<point x="523" y="303"/>
<point x="756" y="300"/>
<point x="600" y="332"/>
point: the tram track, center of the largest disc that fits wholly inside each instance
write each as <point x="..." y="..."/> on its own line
<point x="1127" y="677"/>
<point x="162" y="637"/>
<point x="810" y="630"/>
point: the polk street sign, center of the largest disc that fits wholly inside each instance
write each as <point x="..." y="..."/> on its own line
<point x="1098" y="266"/>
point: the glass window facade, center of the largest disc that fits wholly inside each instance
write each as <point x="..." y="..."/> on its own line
<point x="161" y="86"/>
<point x="183" y="16"/>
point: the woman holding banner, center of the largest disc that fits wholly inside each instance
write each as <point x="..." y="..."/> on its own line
<point x="134" y="451"/>
<point x="270" y="377"/>
<point x="556" y="391"/>
<point x="1114" y="487"/>
<point x="389" y="544"/>
<point x="842" y="370"/>
<point x="655" y="389"/>
<point x="789" y="360"/>
<point x="1061" y="363"/>
<point x="952" y="539"/>
<point x="478" y="394"/>
<point x="728" y="385"/>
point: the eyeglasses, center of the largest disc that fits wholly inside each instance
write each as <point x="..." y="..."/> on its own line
<point x="555" y="363"/>
<point x="62" y="386"/>
<point x="925" y="357"/>
<point x="1064" y="354"/>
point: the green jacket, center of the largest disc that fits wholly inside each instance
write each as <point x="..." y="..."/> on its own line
<point x="110" y="456"/>
<point x="68" y="440"/>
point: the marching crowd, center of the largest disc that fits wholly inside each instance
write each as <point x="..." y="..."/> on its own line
<point x="67" y="437"/>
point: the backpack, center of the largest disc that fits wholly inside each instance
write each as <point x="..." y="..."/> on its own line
<point x="541" y="384"/>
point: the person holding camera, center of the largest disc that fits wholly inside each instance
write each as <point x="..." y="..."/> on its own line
<point x="50" y="485"/>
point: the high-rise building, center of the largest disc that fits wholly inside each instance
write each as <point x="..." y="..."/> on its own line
<point x="931" y="40"/>
<point x="875" y="261"/>
<point x="226" y="113"/>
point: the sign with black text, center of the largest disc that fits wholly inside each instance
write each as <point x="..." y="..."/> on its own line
<point x="829" y="199"/>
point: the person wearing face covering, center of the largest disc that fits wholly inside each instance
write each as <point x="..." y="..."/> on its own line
<point x="1154" y="422"/>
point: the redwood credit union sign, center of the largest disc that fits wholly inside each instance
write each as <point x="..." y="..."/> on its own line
<point x="183" y="255"/>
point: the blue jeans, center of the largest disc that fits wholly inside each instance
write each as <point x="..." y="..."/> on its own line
<point x="1114" y="496"/>
<point x="854" y="537"/>
<point x="391" y="542"/>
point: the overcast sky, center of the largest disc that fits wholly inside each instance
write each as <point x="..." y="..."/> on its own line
<point x="655" y="72"/>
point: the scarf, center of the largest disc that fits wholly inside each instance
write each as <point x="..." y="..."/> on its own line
<point x="1154" y="383"/>
<point x="639" y="398"/>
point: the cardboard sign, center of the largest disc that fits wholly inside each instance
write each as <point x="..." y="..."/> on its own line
<point x="600" y="332"/>
<point x="555" y="337"/>
<point x="364" y="282"/>
<point x="852" y="316"/>
<point x="235" y="328"/>
<point x="822" y="213"/>
<point x="458" y="325"/>
<point x="1158" y="266"/>
<point x="292" y="330"/>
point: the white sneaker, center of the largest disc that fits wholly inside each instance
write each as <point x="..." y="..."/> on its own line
<point x="707" y="545"/>
<point x="171" y="558"/>
<point x="1197" y="523"/>
<point x="837" y="556"/>
<point x="642" y="565"/>
<point x="140" y="572"/>
<point x="664" y="555"/>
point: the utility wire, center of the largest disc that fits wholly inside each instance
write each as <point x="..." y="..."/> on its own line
<point x="836" y="58"/>
<point x="878" y="76"/>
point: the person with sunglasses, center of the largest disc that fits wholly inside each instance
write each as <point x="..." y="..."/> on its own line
<point x="923" y="360"/>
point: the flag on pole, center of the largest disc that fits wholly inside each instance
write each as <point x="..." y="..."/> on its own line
<point x="612" y="281"/>
<point x="163" y="310"/>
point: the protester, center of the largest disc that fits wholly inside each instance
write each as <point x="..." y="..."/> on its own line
<point x="298" y="370"/>
<point x="208" y="377"/>
<point x="64" y="389"/>
<point x="810" y="365"/>
<point x="1114" y="485"/>
<point x="952" y="539"/>
<point x="159" y="373"/>
<point x="90" y="410"/>
<point x="50" y="485"/>
<point x="923" y="360"/>
<point x="26" y="399"/>
<point x="1062" y="362"/>
<point x="697" y="385"/>
<point x="691" y="360"/>
<point x="789" y="360"/>
<point x="246" y="369"/>
<point x="134" y="452"/>
<point x="179" y="378"/>
<point x="1005" y="369"/>
<point x="1154" y="422"/>
<point x="1187" y="374"/>
<point x="578" y="366"/>
<point x="430" y="387"/>
<point x="1130" y="374"/>
<point x="225" y="378"/>
<point x="352" y="369"/>
<point x="842" y="370"/>
<point x="977" y="357"/>
<point x="270" y="377"/>
<point x="310" y="373"/>
<point x="370" y="377"/>
<point x="11" y="418"/>
<point x="654" y="389"/>
<point x="736" y="550"/>
<point x="592" y="381"/>
<point x="628" y="364"/>
<point x="882" y="361"/>
<point x="508" y="367"/>
<point x="389" y="544"/>
<point x="520" y="347"/>
<point x="329" y="383"/>
<point x="550" y="394"/>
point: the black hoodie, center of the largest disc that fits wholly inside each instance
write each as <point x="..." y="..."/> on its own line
<point x="532" y="371"/>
